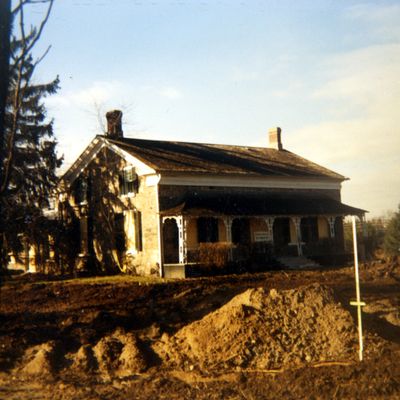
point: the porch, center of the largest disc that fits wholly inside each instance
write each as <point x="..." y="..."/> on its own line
<point x="216" y="231"/>
<point x="200" y="245"/>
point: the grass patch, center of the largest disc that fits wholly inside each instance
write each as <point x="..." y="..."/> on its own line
<point x="41" y="280"/>
<point x="115" y="279"/>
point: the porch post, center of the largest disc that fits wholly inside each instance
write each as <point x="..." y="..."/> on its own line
<point x="331" y="221"/>
<point x="161" y="244"/>
<point x="270" y="228"/>
<point x="297" y="224"/>
<point x="182" y="235"/>
<point x="228" y="225"/>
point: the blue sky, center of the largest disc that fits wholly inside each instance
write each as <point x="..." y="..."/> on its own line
<point x="326" y="72"/>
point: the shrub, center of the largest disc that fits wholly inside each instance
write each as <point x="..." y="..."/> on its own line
<point x="215" y="254"/>
<point x="370" y="235"/>
<point x="391" y="243"/>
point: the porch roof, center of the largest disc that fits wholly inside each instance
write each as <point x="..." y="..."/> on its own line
<point x="276" y="204"/>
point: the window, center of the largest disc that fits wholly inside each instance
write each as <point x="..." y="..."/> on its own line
<point x="309" y="230"/>
<point x="128" y="181"/>
<point x="133" y="231"/>
<point x="81" y="194"/>
<point x="207" y="230"/>
<point x="281" y="232"/>
<point x="241" y="231"/>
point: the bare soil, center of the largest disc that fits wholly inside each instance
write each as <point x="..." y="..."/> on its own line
<point x="284" y="334"/>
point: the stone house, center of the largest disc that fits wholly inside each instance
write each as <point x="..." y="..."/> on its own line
<point x="154" y="206"/>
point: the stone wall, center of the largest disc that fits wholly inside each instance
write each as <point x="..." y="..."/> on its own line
<point x="147" y="259"/>
<point x="137" y="211"/>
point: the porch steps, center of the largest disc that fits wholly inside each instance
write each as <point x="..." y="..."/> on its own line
<point x="300" y="262"/>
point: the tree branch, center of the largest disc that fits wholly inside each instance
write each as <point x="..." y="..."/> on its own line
<point x="13" y="131"/>
<point x="22" y="3"/>
<point x="27" y="48"/>
<point x="41" y="57"/>
<point x="5" y="33"/>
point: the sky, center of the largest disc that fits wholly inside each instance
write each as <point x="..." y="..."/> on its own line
<point x="225" y="71"/>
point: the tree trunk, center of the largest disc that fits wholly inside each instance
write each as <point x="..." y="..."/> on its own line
<point x="5" y="32"/>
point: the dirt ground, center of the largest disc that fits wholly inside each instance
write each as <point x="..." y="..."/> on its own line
<point x="281" y="334"/>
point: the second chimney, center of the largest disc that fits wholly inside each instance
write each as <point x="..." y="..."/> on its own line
<point x="274" y="138"/>
<point x="114" y="124"/>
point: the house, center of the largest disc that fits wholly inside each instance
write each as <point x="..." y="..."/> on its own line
<point x="153" y="206"/>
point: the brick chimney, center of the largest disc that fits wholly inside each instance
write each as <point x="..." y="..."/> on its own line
<point x="274" y="138"/>
<point x="114" y="124"/>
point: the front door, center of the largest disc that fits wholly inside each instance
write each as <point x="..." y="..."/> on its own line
<point x="281" y="231"/>
<point x="171" y="242"/>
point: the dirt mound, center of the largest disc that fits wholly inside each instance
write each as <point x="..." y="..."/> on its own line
<point x="381" y="269"/>
<point x="38" y="360"/>
<point x="265" y="329"/>
<point x="116" y="355"/>
<point x="386" y="310"/>
<point x="84" y="360"/>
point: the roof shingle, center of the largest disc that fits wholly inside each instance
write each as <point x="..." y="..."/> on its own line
<point x="185" y="157"/>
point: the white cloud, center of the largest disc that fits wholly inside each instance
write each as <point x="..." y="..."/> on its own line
<point x="365" y="146"/>
<point x="96" y="93"/>
<point x="374" y="12"/>
<point x="171" y="93"/>
<point x="239" y="74"/>
<point x="382" y="20"/>
<point x="79" y="115"/>
<point x="291" y="90"/>
<point x="362" y="75"/>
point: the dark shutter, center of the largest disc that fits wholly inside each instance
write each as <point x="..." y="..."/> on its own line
<point x="119" y="232"/>
<point x="138" y="230"/>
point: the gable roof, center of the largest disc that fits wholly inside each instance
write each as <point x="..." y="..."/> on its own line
<point x="82" y="161"/>
<point x="199" y="158"/>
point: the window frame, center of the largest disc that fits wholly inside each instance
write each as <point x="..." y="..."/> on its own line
<point x="128" y="181"/>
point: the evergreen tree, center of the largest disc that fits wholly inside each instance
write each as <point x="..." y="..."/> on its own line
<point x="29" y="168"/>
<point x="5" y="33"/>
<point x="391" y="242"/>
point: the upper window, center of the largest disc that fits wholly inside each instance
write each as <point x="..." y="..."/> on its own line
<point x="128" y="181"/>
